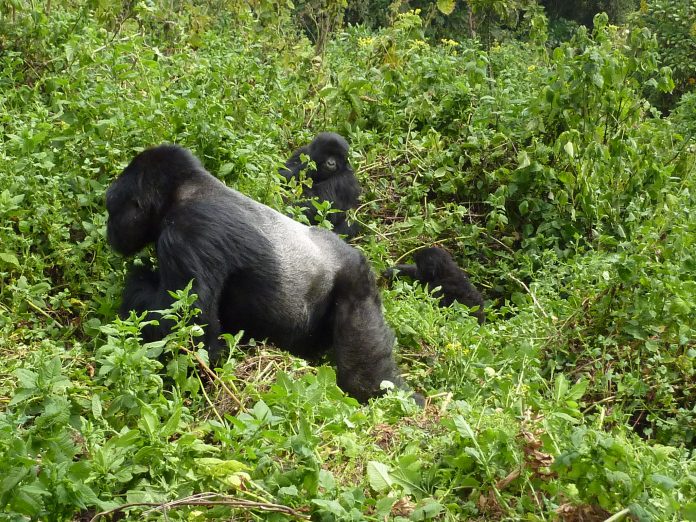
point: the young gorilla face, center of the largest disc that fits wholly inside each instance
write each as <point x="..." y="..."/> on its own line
<point x="329" y="152"/>
<point x="332" y="178"/>
<point x="252" y="269"/>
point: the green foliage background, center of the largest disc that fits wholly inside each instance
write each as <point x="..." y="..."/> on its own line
<point x="566" y="195"/>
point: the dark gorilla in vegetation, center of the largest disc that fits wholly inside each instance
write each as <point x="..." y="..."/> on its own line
<point x="252" y="269"/>
<point x="435" y="267"/>
<point x="332" y="180"/>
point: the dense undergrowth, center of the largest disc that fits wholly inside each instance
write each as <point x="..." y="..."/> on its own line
<point x="567" y="197"/>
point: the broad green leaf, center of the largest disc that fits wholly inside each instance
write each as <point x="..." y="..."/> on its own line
<point x="378" y="476"/>
<point x="333" y="507"/>
<point x="463" y="427"/>
<point x="384" y="505"/>
<point x="262" y="411"/>
<point x="427" y="509"/>
<point x="173" y="423"/>
<point x="56" y="412"/>
<point x="9" y="259"/>
<point x="578" y="390"/>
<point x="560" y="387"/>
<point x="26" y="378"/>
<point x="688" y="511"/>
<point x="96" y="407"/>
<point x="524" y="207"/>
<point x="149" y="421"/>
<point x="598" y="80"/>
<point x="218" y="467"/>
<point x="664" y="482"/>
<point x="523" y="160"/>
<point x="225" y="169"/>
<point x="126" y="438"/>
<point x="28" y="500"/>
<point x="13" y="478"/>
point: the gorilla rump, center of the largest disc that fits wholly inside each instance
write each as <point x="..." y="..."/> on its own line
<point x="333" y="179"/>
<point x="252" y="269"/>
<point x="435" y="267"/>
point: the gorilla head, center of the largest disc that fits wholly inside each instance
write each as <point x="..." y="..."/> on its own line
<point x="328" y="151"/>
<point x="435" y="267"/>
<point x="432" y="263"/>
<point x="137" y="202"/>
<point x="332" y="178"/>
<point x="253" y="269"/>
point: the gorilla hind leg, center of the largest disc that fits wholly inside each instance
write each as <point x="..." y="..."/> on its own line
<point x="362" y="341"/>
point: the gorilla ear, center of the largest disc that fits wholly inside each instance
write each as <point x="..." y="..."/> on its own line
<point x="140" y="182"/>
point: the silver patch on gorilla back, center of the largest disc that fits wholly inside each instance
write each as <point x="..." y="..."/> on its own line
<point x="310" y="258"/>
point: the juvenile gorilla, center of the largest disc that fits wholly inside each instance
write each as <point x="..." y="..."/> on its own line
<point x="435" y="267"/>
<point x="333" y="179"/>
<point x="252" y="269"/>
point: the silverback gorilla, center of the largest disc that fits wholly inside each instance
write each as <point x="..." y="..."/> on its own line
<point x="252" y="269"/>
<point x="333" y="179"/>
<point x="435" y="267"/>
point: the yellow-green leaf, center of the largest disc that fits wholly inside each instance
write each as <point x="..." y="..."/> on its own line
<point x="445" y="6"/>
<point x="9" y="259"/>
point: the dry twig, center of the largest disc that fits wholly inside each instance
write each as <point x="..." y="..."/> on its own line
<point x="208" y="499"/>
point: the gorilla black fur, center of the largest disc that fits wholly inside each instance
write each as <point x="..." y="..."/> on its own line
<point x="435" y="267"/>
<point x="252" y="269"/>
<point x="333" y="179"/>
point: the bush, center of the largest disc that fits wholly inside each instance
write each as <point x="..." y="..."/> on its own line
<point x="672" y="22"/>
<point x="584" y="11"/>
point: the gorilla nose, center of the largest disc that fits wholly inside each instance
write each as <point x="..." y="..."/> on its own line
<point x="331" y="164"/>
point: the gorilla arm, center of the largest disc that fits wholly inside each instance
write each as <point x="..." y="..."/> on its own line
<point x="363" y="342"/>
<point x="180" y="261"/>
<point x="404" y="270"/>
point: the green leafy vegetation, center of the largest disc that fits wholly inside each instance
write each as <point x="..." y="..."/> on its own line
<point x="567" y="196"/>
<point x="674" y="24"/>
